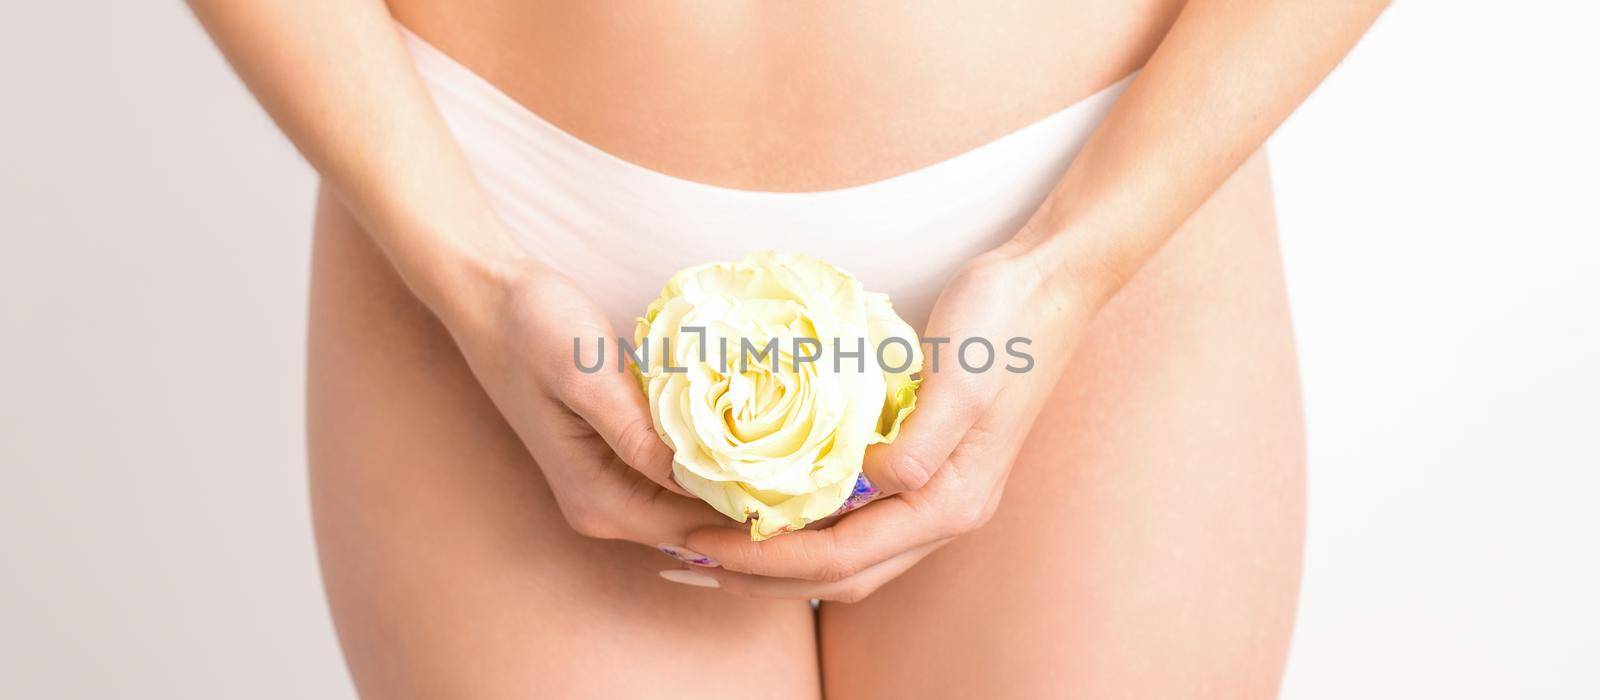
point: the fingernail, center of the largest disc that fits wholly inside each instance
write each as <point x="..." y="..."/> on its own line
<point x="686" y="555"/>
<point x="689" y="578"/>
<point x="862" y="494"/>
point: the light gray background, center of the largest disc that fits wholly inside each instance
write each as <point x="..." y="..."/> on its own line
<point x="1440" y="208"/>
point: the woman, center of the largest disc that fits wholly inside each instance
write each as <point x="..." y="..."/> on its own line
<point x="500" y="177"/>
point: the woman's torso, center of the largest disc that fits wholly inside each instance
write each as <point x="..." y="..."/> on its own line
<point x="792" y="96"/>
<point x="1174" y="439"/>
<point x="806" y="97"/>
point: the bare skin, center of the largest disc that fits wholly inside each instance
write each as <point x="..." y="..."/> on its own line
<point x="449" y="568"/>
<point x="806" y="96"/>
<point x="1126" y="524"/>
<point x="1148" y="544"/>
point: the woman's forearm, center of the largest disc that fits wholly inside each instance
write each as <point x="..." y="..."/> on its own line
<point x="1227" y="74"/>
<point x="337" y="79"/>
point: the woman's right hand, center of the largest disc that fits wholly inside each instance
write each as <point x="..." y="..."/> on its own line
<point x="591" y="433"/>
<point x="365" y="120"/>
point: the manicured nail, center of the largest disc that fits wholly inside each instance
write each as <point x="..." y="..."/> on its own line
<point x="862" y="494"/>
<point x="686" y="555"/>
<point x="689" y="578"/>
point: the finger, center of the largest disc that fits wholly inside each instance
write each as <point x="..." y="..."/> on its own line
<point x="849" y="590"/>
<point x="862" y="493"/>
<point x="627" y="506"/>
<point x="871" y="535"/>
<point x="613" y="404"/>
<point x="946" y="410"/>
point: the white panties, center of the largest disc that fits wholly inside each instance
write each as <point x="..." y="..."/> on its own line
<point x="620" y="229"/>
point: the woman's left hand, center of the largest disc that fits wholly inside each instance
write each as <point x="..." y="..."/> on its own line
<point x="1222" y="79"/>
<point x="948" y="467"/>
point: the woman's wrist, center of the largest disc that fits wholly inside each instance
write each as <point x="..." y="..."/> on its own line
<point x="463" y="278"/>
<point x="1067" y="263"/>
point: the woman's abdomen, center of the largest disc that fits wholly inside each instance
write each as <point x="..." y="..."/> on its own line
<point x="793" y="96"/>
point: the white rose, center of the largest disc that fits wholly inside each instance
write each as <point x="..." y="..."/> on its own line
<point x="776" y="440"/>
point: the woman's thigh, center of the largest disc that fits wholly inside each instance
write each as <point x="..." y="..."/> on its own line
<point x="448" y="567"/>
<point x="1148" y="542"/>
